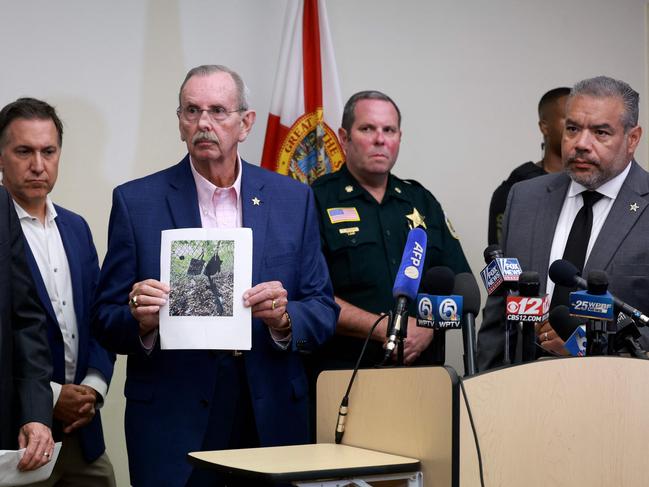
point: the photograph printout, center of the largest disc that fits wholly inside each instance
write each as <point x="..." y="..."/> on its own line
<point x="208" y="270"/>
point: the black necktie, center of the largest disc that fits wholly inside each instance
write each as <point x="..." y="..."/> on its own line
<point x="577" y="243"/>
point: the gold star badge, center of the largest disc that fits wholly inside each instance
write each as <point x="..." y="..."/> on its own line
<point x="256" y="201"/>
<point x="349" y="188"/>
<point x="633" y="207"/>
<point x="416" y="219"/>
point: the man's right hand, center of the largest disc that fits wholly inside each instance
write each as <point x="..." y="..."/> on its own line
<point x="145" y="299"/>
<point x="36" y="439"/>
<point x="75" y="407"/>
<point x="549" y="339"/>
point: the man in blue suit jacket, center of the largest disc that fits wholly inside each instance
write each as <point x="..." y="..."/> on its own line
<point x="181" y="401"/>
<point x="63" y="262"/>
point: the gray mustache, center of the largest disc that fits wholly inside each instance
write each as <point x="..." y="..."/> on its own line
<point x="201" y="136"/>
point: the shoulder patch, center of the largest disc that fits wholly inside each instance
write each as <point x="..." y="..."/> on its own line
<point x="450" y="227"/>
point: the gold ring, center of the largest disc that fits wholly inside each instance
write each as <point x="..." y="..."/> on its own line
<point x="133" y="302"/>
<point x="273" y="304"/>
<point x="46" y="454"/>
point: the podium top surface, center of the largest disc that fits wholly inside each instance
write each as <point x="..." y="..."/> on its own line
<point x="303" y="462"/>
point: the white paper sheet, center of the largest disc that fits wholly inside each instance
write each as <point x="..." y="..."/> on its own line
<point x="208" y="270"/>
<point x="10" y="475"/>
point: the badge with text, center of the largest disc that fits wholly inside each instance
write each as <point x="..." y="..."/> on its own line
<point x="592" y="306"/>
<point x="439" y="312"/>
<point x="498" y="272"/>
<point x="527" y="309"/>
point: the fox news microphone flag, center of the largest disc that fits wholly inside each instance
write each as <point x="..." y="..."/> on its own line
<point x="306" y="107"/>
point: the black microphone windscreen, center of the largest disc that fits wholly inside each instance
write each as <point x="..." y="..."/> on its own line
<point x="529" y="283"/>
<point x="597" y="282"/>
<point x="563" y="273"/>
<point x="562" y="322"/>
<point x="467" y="287"/>
<point x="492" y="252"/>
<point x="438" y="281"/>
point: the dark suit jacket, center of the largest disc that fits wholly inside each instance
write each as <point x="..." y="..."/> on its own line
<point x="25" y="369"/>
<point x="84" y="273"/>
<point x="621" y="248"/>
<point x="169" y="392"/>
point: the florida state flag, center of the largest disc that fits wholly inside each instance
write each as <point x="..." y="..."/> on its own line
<point x="306" y="101"/>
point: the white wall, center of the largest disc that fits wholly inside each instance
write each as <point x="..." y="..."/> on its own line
<point x="467" y="76"/>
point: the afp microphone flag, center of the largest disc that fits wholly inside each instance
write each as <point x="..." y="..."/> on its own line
<point x="306" y="107"/>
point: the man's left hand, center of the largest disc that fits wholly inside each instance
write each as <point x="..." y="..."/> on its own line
<point x="37" y="440"/>
<point x="268" y="302"/>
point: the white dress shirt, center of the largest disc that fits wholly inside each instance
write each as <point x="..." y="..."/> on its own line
<point x="46" y="245"/>
<point x="571" y="206"/>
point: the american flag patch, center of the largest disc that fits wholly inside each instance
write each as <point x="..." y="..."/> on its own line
<point x="339" y="215"/>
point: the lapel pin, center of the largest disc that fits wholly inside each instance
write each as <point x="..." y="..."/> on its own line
<point x="633" y="207"/>
<point x="256" y="201"/>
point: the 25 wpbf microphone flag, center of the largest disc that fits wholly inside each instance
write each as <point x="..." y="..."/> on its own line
<point x="306" y="108"/>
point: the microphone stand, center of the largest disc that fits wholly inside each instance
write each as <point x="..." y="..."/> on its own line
<point x="402" y="338"/>
<point x="468" y="330"/>
<point x="596" y="338"/>
<point x="397" y="331"/>
<point x="507" y="359"/>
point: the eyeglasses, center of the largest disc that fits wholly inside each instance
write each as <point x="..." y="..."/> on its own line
<point x="216" y="114"/>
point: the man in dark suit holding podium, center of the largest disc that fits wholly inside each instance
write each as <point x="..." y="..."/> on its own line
<point x="593" y="214"/>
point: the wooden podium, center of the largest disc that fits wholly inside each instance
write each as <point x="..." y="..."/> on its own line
<point x="558" y="422"/>
<point x="561" y="422"/>
<point x="410" y="411"/>
<point x="573" y="421"/>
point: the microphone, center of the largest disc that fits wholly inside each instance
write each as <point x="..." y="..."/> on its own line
<point x="596" y="305"/>
<point x="500" y="276"/>
<point x="342" y="417"/>
<point x="467" y="287"/>
<point x="569" y="329"/>
<point x="405" y="288"/>
<point x="528" y="308"/>
<point x="501" y="273"/>
<point x="565" y="273"/>
<point x="492" y="252"/>
<point x="438" y="309"/>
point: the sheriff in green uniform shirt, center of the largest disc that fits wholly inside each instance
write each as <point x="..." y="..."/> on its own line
<point x="365" y="215"/>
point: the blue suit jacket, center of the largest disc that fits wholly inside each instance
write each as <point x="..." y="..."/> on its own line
<point x="169" y="392"/>
<point x="84" y="272"/>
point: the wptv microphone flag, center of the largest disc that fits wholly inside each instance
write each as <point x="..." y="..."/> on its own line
<point x="306" y="108"/>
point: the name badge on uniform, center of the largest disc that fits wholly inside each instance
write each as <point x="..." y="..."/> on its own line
<point x="340" y="215"/>
<point x="348" y="231"/>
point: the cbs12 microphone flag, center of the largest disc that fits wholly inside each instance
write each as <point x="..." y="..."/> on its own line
<point x="306" y="107"/>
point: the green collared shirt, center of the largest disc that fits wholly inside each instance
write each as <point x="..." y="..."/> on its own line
<point x="363" y="241"/>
